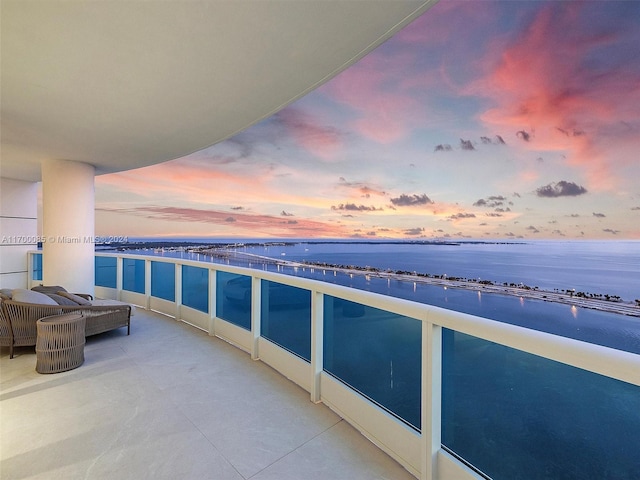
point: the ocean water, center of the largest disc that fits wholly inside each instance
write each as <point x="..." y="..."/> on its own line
<point x="593" y="266"/>
<point x="596" y="267"/>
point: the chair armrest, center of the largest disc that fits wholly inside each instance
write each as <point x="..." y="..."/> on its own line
<point x="84" y="295"/>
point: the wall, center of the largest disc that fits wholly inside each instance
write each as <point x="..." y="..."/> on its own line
<point x="18" y="230"/>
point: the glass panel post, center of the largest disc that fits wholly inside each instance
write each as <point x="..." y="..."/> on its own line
<point x="178" y="292"/>
<point x="147" y="283"/>
<point x="256" y="317"/>
<point x="431" y="398"/>
<point x="119" y="276"/>
<point x="317" y="341"/>
<point x="213" y="301"/>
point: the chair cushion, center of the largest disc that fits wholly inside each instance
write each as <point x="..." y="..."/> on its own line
<point x="77" y="299"/>
<point x="29" y="296"/>
<point x="48" y="289"/>
<point x="60" y="300"/>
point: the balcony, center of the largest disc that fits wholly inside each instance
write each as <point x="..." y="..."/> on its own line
<point x="446" y="395"/>
<point x="169" y="401"/>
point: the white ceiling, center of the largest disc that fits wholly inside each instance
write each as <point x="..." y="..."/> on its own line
<point x="125" y="84"/>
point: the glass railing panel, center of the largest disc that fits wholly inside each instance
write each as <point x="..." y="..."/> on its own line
<point x="517" y="415"/>
<point x="286" y="317"/>
<point x="37" y="266"/>
<point x="195" y="287"/>
<point x="377" y="353"/>
<point x="233" y="298"/>
<point x="133" y="275"/>
<point x="106" y="272"/>
<point x="163" y="280"/>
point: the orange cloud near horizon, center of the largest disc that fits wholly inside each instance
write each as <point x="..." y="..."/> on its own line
<point x="255" y="224"/>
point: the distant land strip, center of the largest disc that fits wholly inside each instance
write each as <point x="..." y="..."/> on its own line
<point x="602" y="302"/>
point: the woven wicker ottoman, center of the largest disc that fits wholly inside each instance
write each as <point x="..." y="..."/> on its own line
<point x="60" y="343"/>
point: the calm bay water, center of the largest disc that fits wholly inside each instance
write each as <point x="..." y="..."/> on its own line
<point x="596" y="267"/>
<point x="611" y="267"/>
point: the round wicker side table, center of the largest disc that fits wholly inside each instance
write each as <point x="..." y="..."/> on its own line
<point x="60" y="343"/>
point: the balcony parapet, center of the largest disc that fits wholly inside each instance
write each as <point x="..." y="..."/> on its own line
<point x="400" y="371"/>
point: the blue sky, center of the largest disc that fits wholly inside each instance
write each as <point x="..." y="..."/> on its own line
<point x="484" y="120"/>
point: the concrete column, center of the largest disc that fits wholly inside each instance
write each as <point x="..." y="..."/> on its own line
<point x="68" y="225"/>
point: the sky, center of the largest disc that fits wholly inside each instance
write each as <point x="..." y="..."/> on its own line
<point x="479" y="120"/>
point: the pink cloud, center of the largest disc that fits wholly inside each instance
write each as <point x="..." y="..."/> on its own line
<point x="206" y="182"/>
<point x="321" y="140"/>
<point x="249" y="224"/>
<point x="198" y="182"/>
<point x="553" y="82"/>
<point x="372" y="89"/>
<point x="166" y="177"/>
<point x="389" y="92"/>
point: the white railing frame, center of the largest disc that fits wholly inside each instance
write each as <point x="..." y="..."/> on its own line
<point x="434" y="462"/>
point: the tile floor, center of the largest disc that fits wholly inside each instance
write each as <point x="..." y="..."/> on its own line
<point x="170" y="402"/>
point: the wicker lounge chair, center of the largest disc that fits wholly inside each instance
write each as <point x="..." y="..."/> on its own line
<point x="6" y="337"/>
<point x="20" y="320"/>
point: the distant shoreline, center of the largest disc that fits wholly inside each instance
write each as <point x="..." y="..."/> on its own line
<point x="132" y="245"/>
<point x="227" y="249"/>
<point x="604" y="303"/>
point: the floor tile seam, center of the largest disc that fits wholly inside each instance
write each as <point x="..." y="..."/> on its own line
<point x="226" y="459"/>
<point x="297" y="448"/>
<point x="178" y="407"/>
<point x="141" y="364"/>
